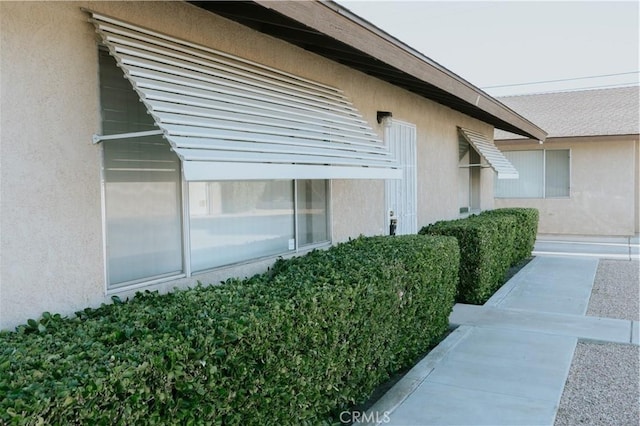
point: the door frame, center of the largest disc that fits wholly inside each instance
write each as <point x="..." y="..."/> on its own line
<point x="405" y="151"/>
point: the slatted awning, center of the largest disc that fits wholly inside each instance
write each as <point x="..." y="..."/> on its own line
<point x="230" y="118"/>
<point x="491" y="154"/>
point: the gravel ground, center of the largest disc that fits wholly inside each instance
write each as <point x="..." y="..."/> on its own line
<point x="616" y="290"/>
<point x="603" y="387"/>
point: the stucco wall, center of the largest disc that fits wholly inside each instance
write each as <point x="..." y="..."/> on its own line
<point x="50" y="217"/>
<point x="51" y="241"/>
<point x="604" y="189"/>
<point x="487" y="176"/>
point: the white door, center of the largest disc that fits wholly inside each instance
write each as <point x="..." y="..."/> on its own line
<point x="402" y="194"/>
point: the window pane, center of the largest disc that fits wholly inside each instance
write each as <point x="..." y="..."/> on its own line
<point x="529" y="165"/>
<point x="142" y="201"/>
<point x="557" y="173"/>
<point x="122" y="111"/>
<point x="312" y="212"/>
<point x="474" y="180"/>
<point x="464" y="182"/>
<point x="236" y="221"/>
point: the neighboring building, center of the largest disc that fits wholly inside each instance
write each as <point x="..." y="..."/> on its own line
<point x="265" y="129"/>
<point x="584" y="179"/>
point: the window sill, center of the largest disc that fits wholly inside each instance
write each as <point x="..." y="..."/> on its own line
<point x="141" y="284"/>
<point x="533" y="198"/>
<point x="462" y="215"/>
<point x="285" y="255"/>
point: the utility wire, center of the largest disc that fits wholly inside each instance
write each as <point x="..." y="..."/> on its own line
<point x="560" y="80"/>
<point x="571" y="89"/>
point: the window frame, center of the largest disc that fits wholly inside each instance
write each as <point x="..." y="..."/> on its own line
<point x="569" y="186"/>
<point x="185" y="218"/>
<point x="139" y="282"/>
<point x="296" y="224"/>
<point x="187" y="272"/>
<point x="472" y="181"/>
<point x="296" y="250"/>
<point x="544" y="176"/>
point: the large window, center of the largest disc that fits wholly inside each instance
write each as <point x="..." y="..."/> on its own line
<point x="543" y="174"/>
<point x="155" y="231"/>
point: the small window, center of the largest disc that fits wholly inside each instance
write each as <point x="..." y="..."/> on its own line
<point x="556" y="173"/>
<point x="469" y="177"/>
<point x="543" y="174"/>
<point x="312" y="212"/>
<point x="236" y="221"/>
<point x="122" y="111"/>
<point x="231" y="222"/>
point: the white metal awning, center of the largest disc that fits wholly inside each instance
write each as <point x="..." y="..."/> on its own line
<point x="492" y="155"/>
<point x="230" y="118"/>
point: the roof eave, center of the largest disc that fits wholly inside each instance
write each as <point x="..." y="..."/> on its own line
<point x="341" y="24"/>
<point x="332" y="31"/>
<point x="570" y="138"/>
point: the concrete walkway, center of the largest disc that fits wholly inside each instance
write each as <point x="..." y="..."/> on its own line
<point x="507" y="361"/>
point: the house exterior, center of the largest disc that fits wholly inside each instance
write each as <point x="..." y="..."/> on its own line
<point x="154" y="145"/>
<point x="584" y="178"/>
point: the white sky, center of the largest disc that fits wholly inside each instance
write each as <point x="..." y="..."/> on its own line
<point x="491" y="43"/>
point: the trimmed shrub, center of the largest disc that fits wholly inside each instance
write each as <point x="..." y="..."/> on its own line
<point x="296" y="345"/>
<point x="526" y="232"/>
<point x="486" y="251"/>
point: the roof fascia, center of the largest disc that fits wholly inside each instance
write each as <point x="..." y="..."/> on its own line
<point x="565" y="139"/>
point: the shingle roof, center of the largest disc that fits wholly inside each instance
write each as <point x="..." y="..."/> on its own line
<point x="600" y="112"/>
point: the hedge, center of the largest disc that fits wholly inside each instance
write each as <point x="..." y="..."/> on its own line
<point x="486" y="252"/>
<point x="526" y="229"/>
<point x="313" y="336"/>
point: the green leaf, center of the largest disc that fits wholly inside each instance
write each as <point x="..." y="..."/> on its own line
<point x="313" y="335"/>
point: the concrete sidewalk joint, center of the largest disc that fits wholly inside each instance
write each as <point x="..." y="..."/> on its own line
<point x="582" y="327"/>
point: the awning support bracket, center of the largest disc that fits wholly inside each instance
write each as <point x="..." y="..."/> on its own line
<point x="96" y="139"/>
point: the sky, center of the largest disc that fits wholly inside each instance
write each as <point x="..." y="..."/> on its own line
<point x="510" y="43"/>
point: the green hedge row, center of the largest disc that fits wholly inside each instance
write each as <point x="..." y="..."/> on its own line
<point x="489" y="244"/>
<point x="296" y="345"/>
<point x="527" y="229"/>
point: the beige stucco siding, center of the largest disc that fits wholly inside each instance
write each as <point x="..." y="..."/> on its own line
<point x="50" y="217"/>
<point x="51" y="241"/>
<point x="603" y="193"/>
